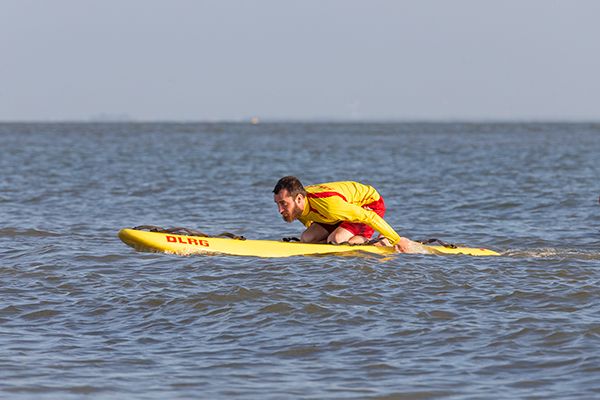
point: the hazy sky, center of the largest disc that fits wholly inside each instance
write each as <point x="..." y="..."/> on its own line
<point x="301" y="60"/>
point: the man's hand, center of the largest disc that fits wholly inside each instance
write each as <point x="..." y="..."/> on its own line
<point x="408" y="246"/>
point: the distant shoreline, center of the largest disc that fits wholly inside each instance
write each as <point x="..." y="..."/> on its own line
<point x="311" y="121"/>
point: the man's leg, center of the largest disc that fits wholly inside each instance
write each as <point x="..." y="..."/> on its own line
<point x="357" y="233"/>
<point x="315" y="233"/>
<point x="342" y="235"/>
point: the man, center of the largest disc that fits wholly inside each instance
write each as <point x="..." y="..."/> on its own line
<point x="338" y="212"/>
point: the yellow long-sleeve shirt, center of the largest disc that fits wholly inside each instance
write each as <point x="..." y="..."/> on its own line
<point x="334" y="202"/>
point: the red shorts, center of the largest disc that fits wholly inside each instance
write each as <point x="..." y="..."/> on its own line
<point x="364" y="230"/>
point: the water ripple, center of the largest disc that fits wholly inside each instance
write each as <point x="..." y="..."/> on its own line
<point x="83" y="315"/>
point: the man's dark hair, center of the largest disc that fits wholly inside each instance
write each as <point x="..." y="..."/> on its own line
<point x="291" y="184"/>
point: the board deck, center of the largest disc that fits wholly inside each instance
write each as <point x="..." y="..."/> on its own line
<point x="188" y="245"/>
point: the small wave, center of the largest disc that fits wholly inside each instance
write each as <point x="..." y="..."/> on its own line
<point x="28" y="232"/>
<point x="277" y="308"/>
<point x="84" y="389"/>
<point x="41" y="314"/>
<point x="237" y="294"/>
<point x="312" y="308"/>
<point x="550" y="252"/>
<point x="108" y="258"/>
<point x="299" y="351"/>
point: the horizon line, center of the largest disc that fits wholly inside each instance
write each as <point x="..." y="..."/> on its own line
<point x="252" y="121"/>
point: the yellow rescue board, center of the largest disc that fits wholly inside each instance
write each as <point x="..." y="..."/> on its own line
<point x="187" y="245"/>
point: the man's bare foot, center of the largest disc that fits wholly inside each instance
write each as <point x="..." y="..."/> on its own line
<point x="383" y="242"/>
<point x="357" y="239"/>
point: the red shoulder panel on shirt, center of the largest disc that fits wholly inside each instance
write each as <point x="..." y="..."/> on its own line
<point x="321" y="195"/>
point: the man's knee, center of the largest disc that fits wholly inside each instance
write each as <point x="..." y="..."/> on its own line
<point x="340" y="235"/>
<point x="307" y="237"/>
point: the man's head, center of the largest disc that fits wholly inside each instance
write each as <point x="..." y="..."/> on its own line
<point x="290" y="198"/>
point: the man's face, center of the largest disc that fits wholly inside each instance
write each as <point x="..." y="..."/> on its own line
<point x="288" y="207"/>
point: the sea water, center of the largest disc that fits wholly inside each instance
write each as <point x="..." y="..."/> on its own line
<point x="83" y="315"/>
